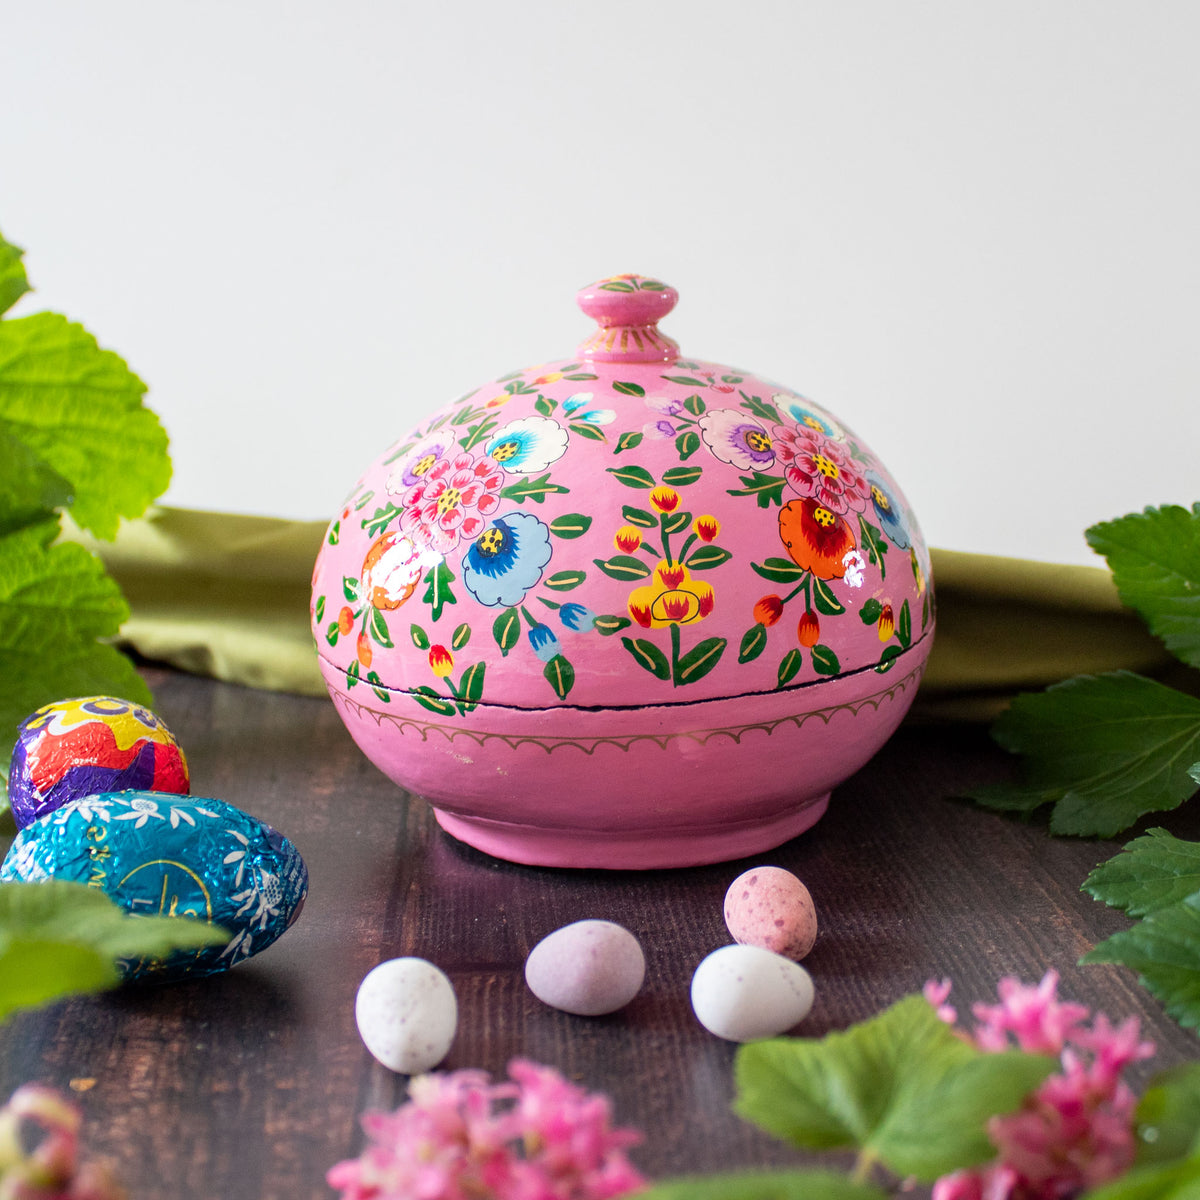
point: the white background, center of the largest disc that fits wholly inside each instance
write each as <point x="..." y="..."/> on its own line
<point x="971" y="230"/>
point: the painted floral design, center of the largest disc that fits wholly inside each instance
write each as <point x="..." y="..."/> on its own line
<point x="818" y="467"/>
<point x="888" y="513"/>
<point x="674" y="597"/>
<point x="390" y="572"/>
<point x="506" y="560"/>
<point x="578" y="408"/>
<point x="816" y="539"/>
<point x="416" y="464"/>
<point x="736" y="438"/>
<point x="451" y="501"/>
<point x="528" y="444"/>
<point x="806" y="416"/>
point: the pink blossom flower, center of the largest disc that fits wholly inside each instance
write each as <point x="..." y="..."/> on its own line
<point x="451" y="501"/>
<point x="461" y="1137"/>
<point x="821" y="469"/>
<point x="1076" y="1130"/>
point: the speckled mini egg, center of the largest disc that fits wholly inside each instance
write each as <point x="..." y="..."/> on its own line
<point x="407" y="1014"/>
<point x="771" y="908"/>
<point x="76" y="748"/>
<point x="587" y="968"/>
<point x="742" y="993"/>
<point x="160" y="854"/>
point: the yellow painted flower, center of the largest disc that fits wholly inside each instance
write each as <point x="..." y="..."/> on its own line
<point x="665" y="499"/>
<point x="887" y="623"/>
<point x="627" y="539"/>
<point x="672" y="597"/>
<point x="707" y="527"/>
<point x="441" y="661"/>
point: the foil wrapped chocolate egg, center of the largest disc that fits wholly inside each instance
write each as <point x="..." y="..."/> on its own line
<point x="159" y="854"/>
<point x="75" y="748"/>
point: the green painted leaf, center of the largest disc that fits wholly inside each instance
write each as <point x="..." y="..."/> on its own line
<point x="874" y="544"/>
<point x="1164" y="949"/>
<point x="332" y="632"/>
<point x="825" y="661"/>
<point x="901" y="1088"/>
<point x="420" y="638"/>
<point x="13" y="281"/>
<point x="570" y="526"/>
<point x="1153" y="871"/>
<point x="699" y="660"/>
<point x="870" y="611"/>
<point x="824" y="599"/>
<point x="533" y="489"/>
<point x="687" y="443"/>
<point x="427" y="698"/>
<point x="610" y="623"/>
<point x="378" y="688"/>
<point x="766" y="489"/>
<point x="648" y="656"/>
<point x="437" y="589"/>
<point x="565" y="581"/>
<point x="617" y="285"/>
<point x="754" y="642"/>
<point x="695" y="405"/>
<point x="639" y="517"/>
<point x="586" y="430"/>
<point x="560" y="675"/>
<point x="350" y="588"/>
<point x="1155" y="561"/>
<point x="705" y="558"/>
<point x="319" y="609"/>
<point x="686" y="380"/>
<point x="633" y="476"/>
<point x="460" y="637"/>
<point x="470" y="687"/>
<point x="580" y="376"/>
<point x="628" y="389"/>
<point x="379" y="630"/>
<point x="380" y="519"/>
<point x="780" y="570"/>
<point x="55" y="601"/>
<point x="674" y="522"/>
<point x="78" y="409"/>
<point x="888" y="658"/>
<point x="904" y="626"/>
<point x="58" y="938"/>
<point x="682" y="476"/>
<point x="1104" y="749"/>
<point x="763" y="1185"/>
<point x="506" y="630"/>
<point x="624" y="567"/>
<point x="544" y="406"/>
<point x="793" y="660"/>
<point x="479" y="433"/>
<point x="628" y="441"/>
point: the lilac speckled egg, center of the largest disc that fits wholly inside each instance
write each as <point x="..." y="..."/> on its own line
<point x="743" y="993"/>
<point x="587" y="968"/>
<point x="771" y="908"/>
<point x="407" y="1014"/>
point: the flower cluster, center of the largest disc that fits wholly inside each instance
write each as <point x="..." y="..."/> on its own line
<point x="1076" y="1130"/>
<point x="460" y="1136"/>
<point x="46" y="1166"/>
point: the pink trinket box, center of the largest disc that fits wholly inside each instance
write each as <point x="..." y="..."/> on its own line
<point x="626" y="610"/>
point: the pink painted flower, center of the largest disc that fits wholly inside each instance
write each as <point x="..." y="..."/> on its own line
<point x="451" y="501"/>
<point x="1076" y="1131"/>
<point x="536" y="1137"/>
<point x="821" y="469"/>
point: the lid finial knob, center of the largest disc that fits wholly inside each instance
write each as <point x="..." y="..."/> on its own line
<point x="627" y="308"/>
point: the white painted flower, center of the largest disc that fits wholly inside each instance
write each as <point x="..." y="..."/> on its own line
<point x="528" y="444"/>
<point x="855" y="565"/>
<point x="141" y="810"/>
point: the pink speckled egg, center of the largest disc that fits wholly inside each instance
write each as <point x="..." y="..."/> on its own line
<point x="771" y="908"/>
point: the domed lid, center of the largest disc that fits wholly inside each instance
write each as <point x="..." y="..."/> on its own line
<point x="623" y="528"/>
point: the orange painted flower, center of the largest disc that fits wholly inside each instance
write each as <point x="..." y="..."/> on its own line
<point x="628" y="538"/>
<point x="552" y="377"/>
<point x="886" y="625"/>
<point x="707" y="527"/>
<point x="768" y="610"/>
<point x="665" y="499"/>
<point x="809" y="629"/>
<point x="441" y="661"/>
<point x="345" y="620"/>
<point x="673" y="597"/>
<point x="363" y="648"/>
<point x="816" y="539"/>
<point x="391" y="571"/>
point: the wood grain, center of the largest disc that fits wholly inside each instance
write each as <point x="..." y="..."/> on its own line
<point x="249" y="1085"/>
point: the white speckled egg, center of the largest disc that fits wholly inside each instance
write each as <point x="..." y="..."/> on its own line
<point x="407" y="1014"/>
<point x="587" y="968"/>
<point x="771" y="908"/>
<point x="742" y="993"/>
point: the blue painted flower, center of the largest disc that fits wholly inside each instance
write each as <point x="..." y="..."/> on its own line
<point x="888" y="513"/>
<point x="593" y="416"/>
<point x="544" y="642"/>
<point x="808" y="417"/>
<point x="506" y="560"/>
<point x="577" y="617"/>
<point x="528" y="444"/>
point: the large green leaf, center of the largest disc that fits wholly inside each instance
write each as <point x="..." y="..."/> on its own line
<point x="79" y="410"/>
<point x="1155" y="561"/>
<point x="30" y="489"/>
<point x="1168" y="1116"/>
<point x="1172" y="1181"/>
<point x="13" y="281"/>
<point x="1104" y="749"/>
<point x="57" y="938"/>
<point x="902" y="1088"/>
<point x="1152" y="872"/>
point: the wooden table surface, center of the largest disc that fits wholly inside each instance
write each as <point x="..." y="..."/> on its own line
<point x="250" y="1084"/>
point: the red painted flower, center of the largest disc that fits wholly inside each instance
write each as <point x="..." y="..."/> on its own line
<point x="665" y="499"/>
<point x="441" y="661"/>
<point x="820" y="468"/>
<point x="816" y="539"/>
<point x="809" y="629"/>
<point x="628" y="538"/>
<point x="452" y="501"/>
<point x="768" y="610"/>
<point x="707" y="527"/>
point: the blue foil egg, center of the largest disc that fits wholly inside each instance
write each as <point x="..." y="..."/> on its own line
<point x="156" y="853"/>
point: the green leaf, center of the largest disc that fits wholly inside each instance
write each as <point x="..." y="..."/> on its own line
<point x="420" y="638"/>
<point x="560" y="675"/>
<point x="870" y="611"/>
<point x="674" y="522"/>
<point x="58" y="938"/>
<point x="904" y="625"/>
<point x="533" y="489"/>
<point x="766" y="489"/>
<point x="762" y="1185"/>
<point x="628" y="441"/>
<point x="686" y="444"/>
<point x="506" y="630"/>
<point x="632" y="476"/>
<point x="695" y="405"/>
<point x="609" y="623"/>
<point x="55" y="601"/>
<point x="754" y="642"/>
<point x="648" y="656"/>
<point x="699" y="660"/>
<point x="824" y="599"/>
<point x="377" y="623"/>
<point x="565" y="581"/>
<point x="780" y="570"/>
<point x="1172" y="1181"/>
<point x="1168" y="1115"/>
<point x="30" y="490"/>
<point x="624" y="567"/>
<point x="79" y="410"/>
<point x="901" y="1088"/>
<point x="825" y="661"/>
<point x="628" y="389"/>
<point x="570" y="526"/>
<point x="793" y="660"/>
<point x="686" y="380"/>
<point x="427" y="698"/>
<point x="460" y="637"/>
<point x="704" y="558"/>
<point x="1155" y="561"/>
<point x="1153" y="871"/>
<point x="639" y="517"/>
<point x="760" y="408"/>
<point x="874" y="544"/>
<point x="681" y="476"/>
<point x="1164" y="949"/>
<point x="437" y="589"/>
<point x="1104" y="749"/>
<point x="13" y="281"/>
<point x="470" y="687"/>
<point x="545" y="407"/>
<point x="585" y="430"/>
